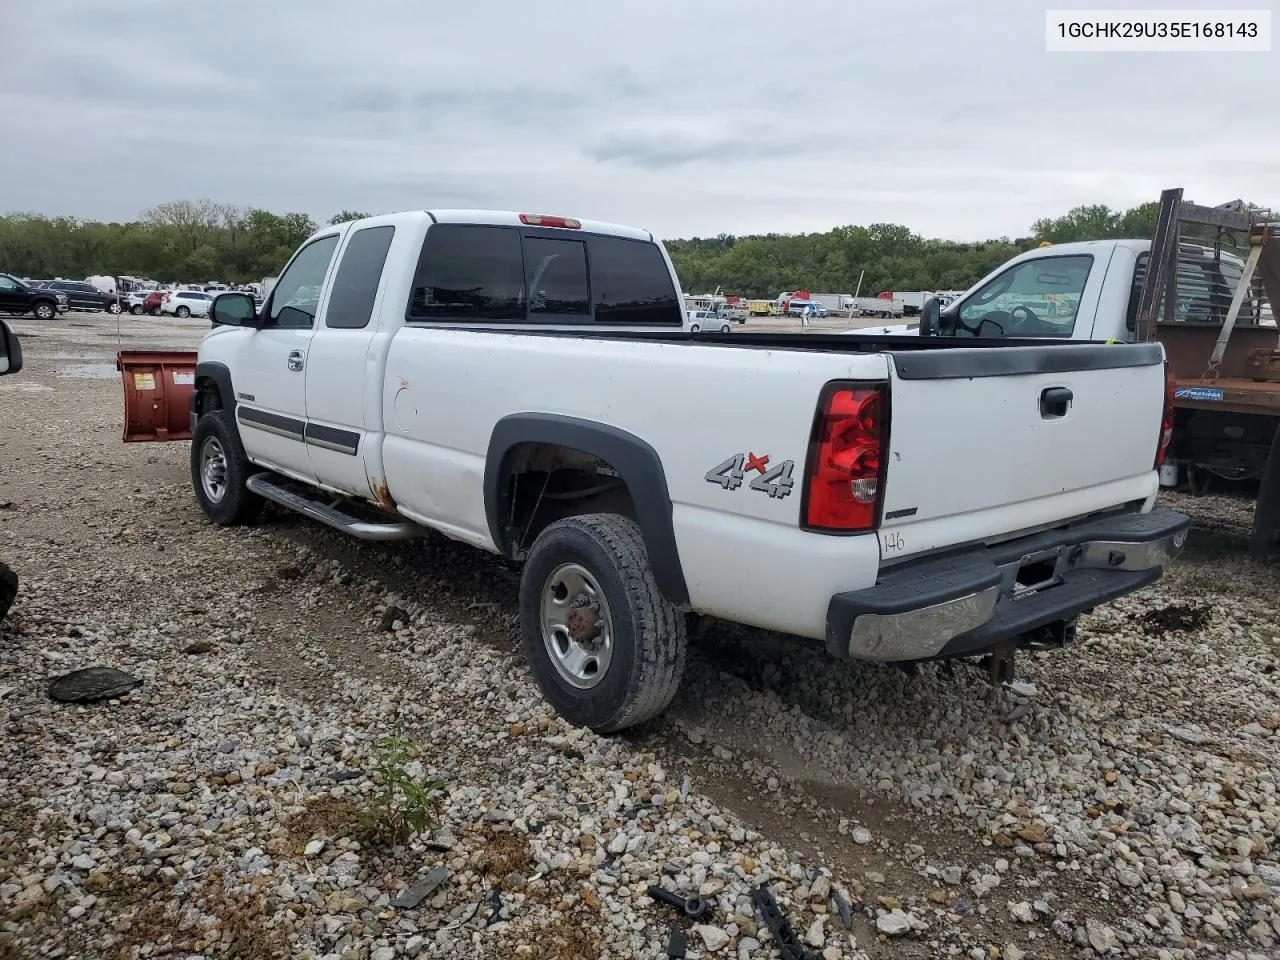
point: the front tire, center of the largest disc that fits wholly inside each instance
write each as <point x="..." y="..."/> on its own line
<point x="113" y="307"/>
<point x="136" y="309"/>
<point x="219" y="469"/>
<point x="695" y="327"/>
<point x="606" y="647"/>
<point x="724" y="328"/>
<point x="45" y="311"/>
<point x="182" y="312"/>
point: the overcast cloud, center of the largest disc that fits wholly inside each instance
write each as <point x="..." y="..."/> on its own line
<point x="683" y="116"/>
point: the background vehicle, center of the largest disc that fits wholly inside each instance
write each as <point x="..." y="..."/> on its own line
<point x="186" y="303"/>
<point x="17" y="297"/>
<point x="85" y="296"/>
<point x="706" y="320"/>
<point x="400" y="378"/>
<point x="10" y="362"/>
<point x="136" y="302"/>
<point x="1199" y="302"/>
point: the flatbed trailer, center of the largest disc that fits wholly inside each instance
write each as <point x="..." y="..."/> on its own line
<point x="1227" y="368"/>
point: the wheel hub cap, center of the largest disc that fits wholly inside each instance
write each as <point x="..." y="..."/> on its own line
<point x="213" y="470"/>
<point x="577" y="628"/>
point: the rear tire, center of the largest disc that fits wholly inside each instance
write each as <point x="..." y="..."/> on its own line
<point x="113" y="307"/>
<point x="724" y="328"/>
<point x="8" y="589"/>
<point x="136" y="309"/>
<point x="219" y="469"/>
<point x="637" y="643"/>
<point x="44" y="310"/>
<point x="695" y="327"/>
<point x="182" y="312"/>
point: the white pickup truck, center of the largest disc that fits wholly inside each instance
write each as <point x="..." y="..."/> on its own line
<point x="524" y="384"/>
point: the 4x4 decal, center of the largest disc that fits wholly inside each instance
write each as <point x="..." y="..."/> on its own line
<point x="775" y="481"/>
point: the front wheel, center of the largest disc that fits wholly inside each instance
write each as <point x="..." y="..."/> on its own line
<point x="182" y="312"/>
<point x="724" y="328"/>
<point x="45" y="311"/>
<point x="113" y="306"/>
<point x="606" y="647"/>
<point x="695" y="327"/>
<point x="136" y="309"/>
<point x="219" y="469"/>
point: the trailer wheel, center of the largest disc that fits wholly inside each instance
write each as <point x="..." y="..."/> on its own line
<point x="8" y="589"/>
<point x="606" y="647"/>
<point x="219" y="469"/>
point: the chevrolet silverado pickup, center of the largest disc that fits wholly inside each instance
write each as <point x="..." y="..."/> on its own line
<point x="525" y="384"/>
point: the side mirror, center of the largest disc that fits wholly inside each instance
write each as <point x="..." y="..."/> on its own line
<point x="10" y="350"/>
<point x="929" y="316"/>
<point x="233" y="310"/>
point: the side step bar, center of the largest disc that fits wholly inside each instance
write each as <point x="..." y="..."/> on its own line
<point x="265" y="486"/>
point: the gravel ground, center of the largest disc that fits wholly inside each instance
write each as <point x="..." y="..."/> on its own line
<point x="1119" y="800"/>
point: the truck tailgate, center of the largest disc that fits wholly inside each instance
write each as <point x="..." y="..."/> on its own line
<point x="986" y="442"/>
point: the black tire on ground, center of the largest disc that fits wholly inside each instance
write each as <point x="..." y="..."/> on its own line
<point x="219" y="469"/>
<point x="44" y="310"/>
<point x="112" y="307"/>
<point x="8" y="589"/>
<point x="647" y="634"/>
<point x="136" y="309"/>
<point x="724" y="328"/>
<point x="183" y="312"/>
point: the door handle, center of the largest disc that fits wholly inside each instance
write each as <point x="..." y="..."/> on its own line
<point x="1055" y="402"/>
<point x="295" y="360"/>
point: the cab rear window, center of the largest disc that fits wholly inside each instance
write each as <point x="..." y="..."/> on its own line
<point x="496" y="274"/>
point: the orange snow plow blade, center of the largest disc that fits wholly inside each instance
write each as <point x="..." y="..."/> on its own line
<point x="157" y="394"/>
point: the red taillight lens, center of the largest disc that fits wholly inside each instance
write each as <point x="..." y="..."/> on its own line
<point x="845" y="459"/>
<point x="1166" y="421"/>
<point x="541" y="220"/>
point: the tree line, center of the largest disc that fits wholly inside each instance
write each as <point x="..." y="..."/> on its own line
<point x="195" y="241"/>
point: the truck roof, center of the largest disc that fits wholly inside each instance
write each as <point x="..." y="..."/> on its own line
<point x="506" y="218"/>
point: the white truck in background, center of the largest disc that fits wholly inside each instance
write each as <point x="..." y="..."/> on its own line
<point x="523" y="383"/>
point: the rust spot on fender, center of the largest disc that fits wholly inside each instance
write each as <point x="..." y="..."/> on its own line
<point x="382" y="496"/>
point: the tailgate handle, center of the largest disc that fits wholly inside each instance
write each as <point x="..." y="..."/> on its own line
<point x="1055" y="402"/>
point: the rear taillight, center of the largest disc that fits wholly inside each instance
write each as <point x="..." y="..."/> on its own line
<point x="1166" y="419"/>
<point x="846" y="458"/>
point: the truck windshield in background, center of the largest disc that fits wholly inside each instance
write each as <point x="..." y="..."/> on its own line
<point x="1036" y="298"/>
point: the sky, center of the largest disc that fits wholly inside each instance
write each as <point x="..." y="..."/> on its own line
<point x="685" y="117"/>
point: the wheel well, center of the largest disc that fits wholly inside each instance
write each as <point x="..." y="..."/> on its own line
<point x="547" y="482"/>
<point x="207" y="395"/>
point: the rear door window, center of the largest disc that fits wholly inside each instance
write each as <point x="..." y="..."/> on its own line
<point x="556" y="277"/>
<point x="631" y="284"/>
<point x="469" y="273"/>
<point x="355" y="286"/>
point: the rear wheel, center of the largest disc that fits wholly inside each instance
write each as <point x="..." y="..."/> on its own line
<point x="695" y="327"/>
<point x="45" y="310"/>
<point x="219" y="469"/>
<point x="724" y="328"/>
<point x="136" y="309"/>
<point x="183" y="312"/>
<point x="606" y="647"/>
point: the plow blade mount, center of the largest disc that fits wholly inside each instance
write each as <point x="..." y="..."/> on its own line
<point x="157" y="394"/>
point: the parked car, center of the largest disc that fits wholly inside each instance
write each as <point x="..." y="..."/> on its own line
<point x="136" y="302"/>
<point x="17" y="297"/>
<point x="151" y="305"/>
<point x="85" y="296"/>
<point x="830" y="501"/>
<point x="706" y="320"/>
<point x="186" y="303"/>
